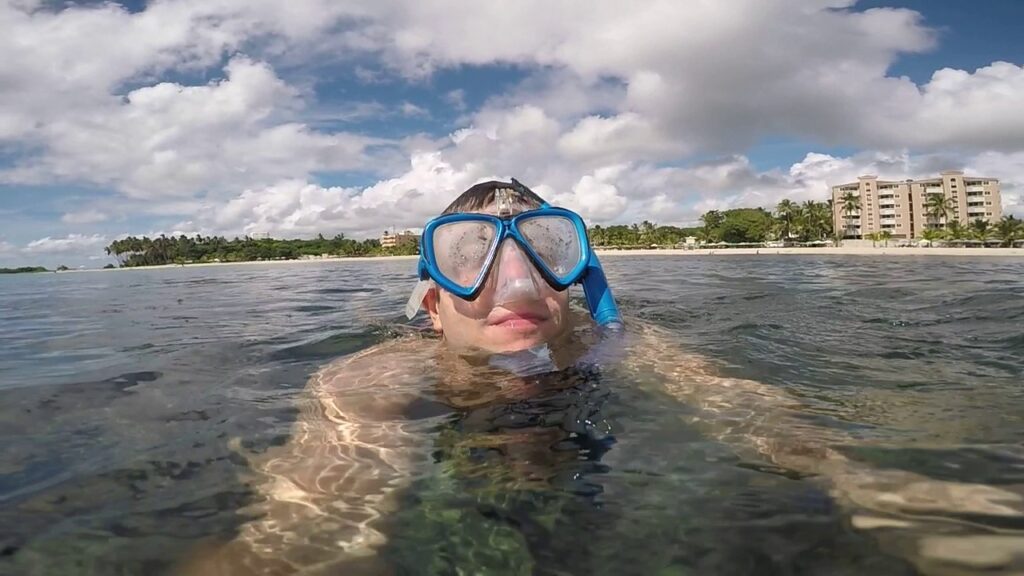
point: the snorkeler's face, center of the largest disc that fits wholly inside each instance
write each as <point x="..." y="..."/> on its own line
<point x="516" y="308"/>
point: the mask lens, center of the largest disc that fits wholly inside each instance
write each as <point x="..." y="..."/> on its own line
<point x="555" y="241"/>
<point x="461" y="249"/>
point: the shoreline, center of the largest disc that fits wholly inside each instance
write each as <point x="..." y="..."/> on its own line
<point x="792" y="251"/>
<point x="247" y="263"/>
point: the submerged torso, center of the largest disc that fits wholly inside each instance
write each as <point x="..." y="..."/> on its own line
<point x="407" y="458"/>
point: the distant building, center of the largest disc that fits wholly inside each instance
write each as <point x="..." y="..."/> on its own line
<point x="389" y="240"/>
<point x="901" y="206"/>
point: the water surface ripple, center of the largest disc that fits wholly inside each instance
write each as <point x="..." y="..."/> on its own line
<point x="128" y="397"/>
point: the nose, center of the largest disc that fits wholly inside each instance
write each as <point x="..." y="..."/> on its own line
<point x="514" y="278"/>
<point x="513" y="261"/>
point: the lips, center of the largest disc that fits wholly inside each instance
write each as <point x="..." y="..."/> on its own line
<point x="516" y="319"/>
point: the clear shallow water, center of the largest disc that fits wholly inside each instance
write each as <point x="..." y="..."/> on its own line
<point x="121" y="395"/>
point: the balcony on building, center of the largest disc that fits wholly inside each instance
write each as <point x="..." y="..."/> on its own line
<point x="389" y="240"/>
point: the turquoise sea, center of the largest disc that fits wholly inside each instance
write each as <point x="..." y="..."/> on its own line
<point x="134" y="406"/>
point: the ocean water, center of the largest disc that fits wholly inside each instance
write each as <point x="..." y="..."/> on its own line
<point x="134" y="404"/>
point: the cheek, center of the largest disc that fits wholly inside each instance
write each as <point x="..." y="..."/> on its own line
<point x="558" y="302"/>
<point x="562" y="298"/>
<point x="474" y="310"/>
<point x="458" y="315"/>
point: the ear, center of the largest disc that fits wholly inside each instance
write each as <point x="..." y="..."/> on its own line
<point x="431" y="301"/>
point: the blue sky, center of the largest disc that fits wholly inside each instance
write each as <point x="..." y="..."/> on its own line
<point x="182" y="117"/>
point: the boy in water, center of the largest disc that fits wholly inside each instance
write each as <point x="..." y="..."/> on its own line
<point x="495" y="268"/>
<point x="493" y="279"/>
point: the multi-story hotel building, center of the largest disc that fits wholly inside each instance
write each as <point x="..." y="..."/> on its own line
<point x="901" y="206"/>
<point x="389" y="240"/>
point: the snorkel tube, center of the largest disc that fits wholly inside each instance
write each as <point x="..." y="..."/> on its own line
<point x="599" y="296"/>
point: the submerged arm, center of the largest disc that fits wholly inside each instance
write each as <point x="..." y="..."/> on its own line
<point x="322" y="495"/>
<point x="758" y="420"/>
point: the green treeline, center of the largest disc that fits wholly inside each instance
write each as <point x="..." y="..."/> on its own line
<point x="145" y="251"/>
<point x="638" y="235"/>
<point x="23" y="270"/>
<point x="805" y="222"/>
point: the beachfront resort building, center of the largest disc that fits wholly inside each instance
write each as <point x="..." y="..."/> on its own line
<point x="906" y="208"/>
<point x="392" y="240"/>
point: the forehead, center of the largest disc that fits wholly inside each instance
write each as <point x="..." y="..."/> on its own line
<point x="492" y="209"/>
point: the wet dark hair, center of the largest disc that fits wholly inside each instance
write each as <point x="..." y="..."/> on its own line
<point x="480" y="196"/>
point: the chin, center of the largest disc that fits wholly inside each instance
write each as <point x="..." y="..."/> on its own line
<point x="516" y="341"/>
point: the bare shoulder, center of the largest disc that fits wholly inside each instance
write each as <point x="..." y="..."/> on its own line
<point x="374" y="384"/>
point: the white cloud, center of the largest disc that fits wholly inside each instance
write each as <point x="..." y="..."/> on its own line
<point x="617" y="139"/>
<point x="594" y="199"/>
<point x="171" y="140"/>
<point x="299" y="208"/>
<point x="91" y="216"/>
<point x="413" y="111"/>
<point x="1010" y="169"/>
<point x="626" y="115"/>
<point x="718" y="76"/>
<point x="974" y="110"/>
<point x="457" y="99"/>
<point x="70" y="244"/>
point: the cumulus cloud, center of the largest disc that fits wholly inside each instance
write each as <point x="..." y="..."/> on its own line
<point x="718" y="76"/>
<point x="300" y="208"/>
<point x="645" y="113"/>
<point x="171" y="140"/>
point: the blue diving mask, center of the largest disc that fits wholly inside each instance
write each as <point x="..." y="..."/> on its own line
<point x="461" y="251"/>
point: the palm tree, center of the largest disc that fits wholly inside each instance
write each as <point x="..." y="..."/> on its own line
<point x="851" y="204"/>
<point x="712" y="219"/>
<point x="885" y="236"/>
<point x="932" y="234"/>
<point x="1009" y="229"/>
<point x="837" y="238"/>
<point x="817" y="220"/>
<point x="647" y="230"/>
<point x="787" y="212"/>
<point x="955" y="231"/>
<point x="940" y="208"/>
<point x="980" y="229"/>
